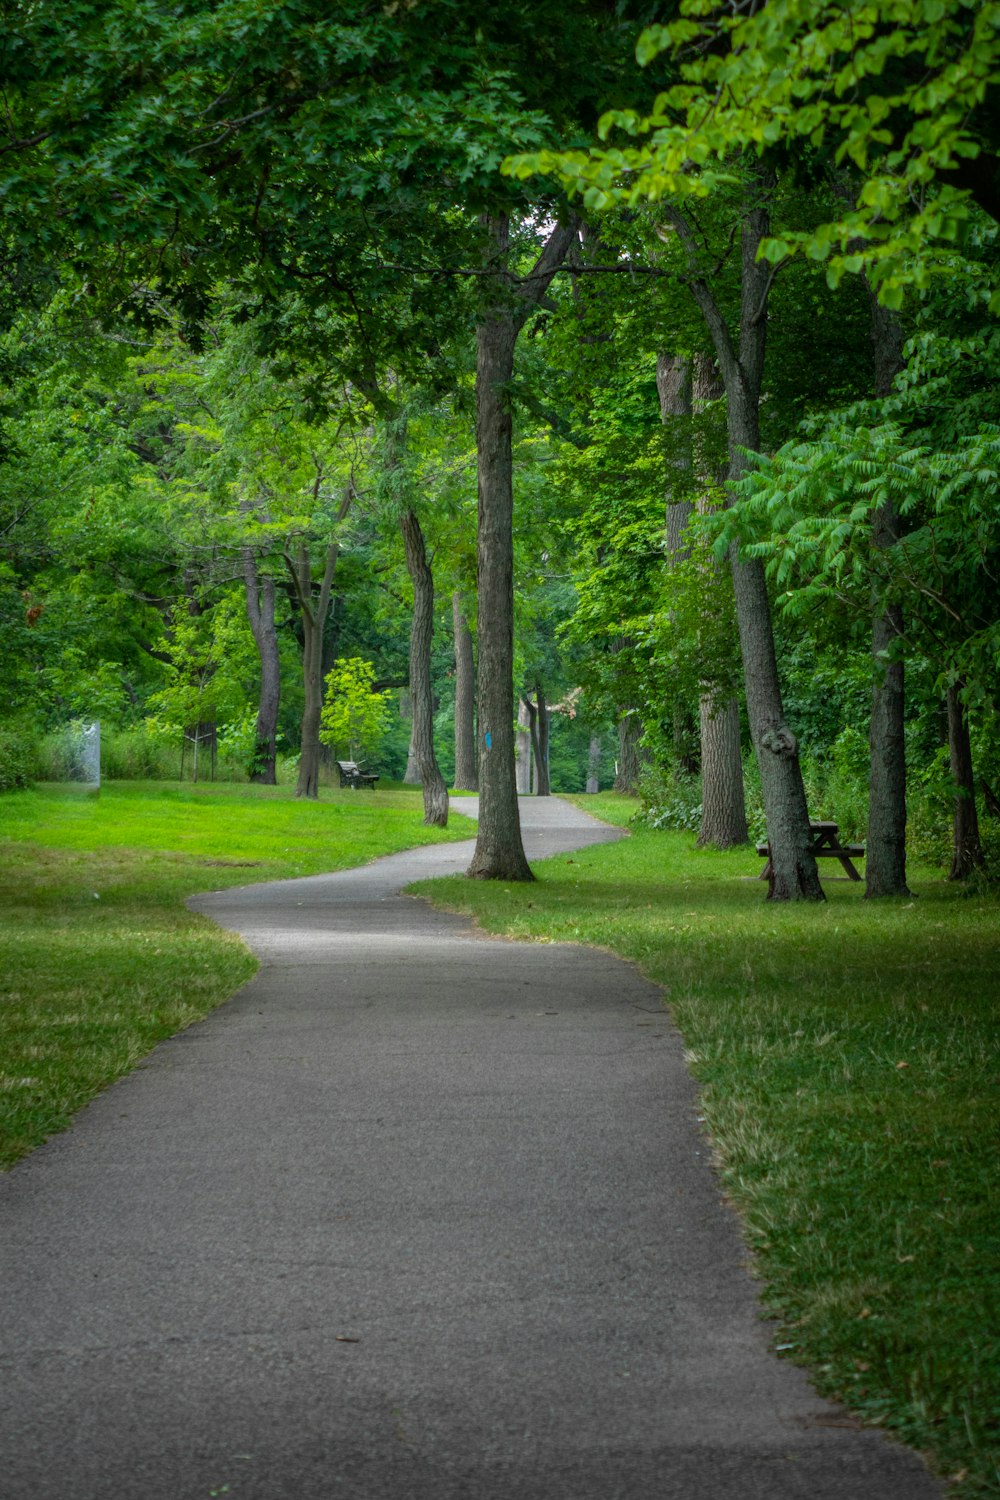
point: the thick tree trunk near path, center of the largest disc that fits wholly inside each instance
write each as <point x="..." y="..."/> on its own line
<point x="499" y="853"/>
<point x="967" y="849"/>
<point x="741" y="364"/>
<point x="260" y="613"/>
<point x="885" y="858"/>
<point x="723" y="805"/>
<point x="788" y="833"/>
<point x="466" y="770"/>
<point x="421" y="632"/>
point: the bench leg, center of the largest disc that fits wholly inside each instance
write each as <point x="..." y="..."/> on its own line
<point x="852" y="873"/>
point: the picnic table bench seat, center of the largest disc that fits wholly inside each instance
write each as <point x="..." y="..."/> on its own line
<point x="853" y="851"/>
<point x="352" y="775"/>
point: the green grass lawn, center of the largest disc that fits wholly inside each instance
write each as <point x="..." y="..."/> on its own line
<point x="99" y="959"/>
<point x="851" y="1081"/>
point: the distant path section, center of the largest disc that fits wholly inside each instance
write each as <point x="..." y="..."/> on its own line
<point x="418" y="1215"/>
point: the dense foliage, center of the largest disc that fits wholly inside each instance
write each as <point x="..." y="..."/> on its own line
<point x="208" y="349"/>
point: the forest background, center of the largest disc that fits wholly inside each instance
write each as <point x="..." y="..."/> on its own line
<point x="524" y="397"/>
<point x="244" y="352"/>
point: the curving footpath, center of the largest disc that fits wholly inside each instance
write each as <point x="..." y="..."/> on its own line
<point x="418" y="1215"/>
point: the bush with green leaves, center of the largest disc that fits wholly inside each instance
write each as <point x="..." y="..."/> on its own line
<point x="20" y="759"/>
<point x="670" y="799"/>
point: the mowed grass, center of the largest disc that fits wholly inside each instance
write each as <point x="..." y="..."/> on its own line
<point x="100" y="960"/>
<point x="851" y="1087"/>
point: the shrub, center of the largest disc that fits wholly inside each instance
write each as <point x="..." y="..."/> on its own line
<point x="670" y="799"/>
<point x="20" y="759"/>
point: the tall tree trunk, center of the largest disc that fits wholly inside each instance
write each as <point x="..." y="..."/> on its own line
<point x="466" y="775"/>
<point x="741" y="363"/>
<point x="724" y="809"/>
<point x="411" y="776"/>
<point x="330" y="650"/>
<point x="673" y="384"/>
<point x="723" y="806"/>
<point x="260" y="612"/>
<point x="499" y="853"/>
<point x="786" y="811"/>
<point x="885" y="860"/>
<point x="536" y="749"/>
<point x="629" y="733"/>
<point x="525" y="719"/>
<point x="543" y="787"/>
<point x="307" y="784"/>
<point x="421" y="632"/>
<point x="967" y="849"/>
<point x="682" y="389"/>
<point x="594" y="765"/>
<point x="313" y="608"/>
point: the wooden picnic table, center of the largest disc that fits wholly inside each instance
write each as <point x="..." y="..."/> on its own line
<point x="824" y="844"/>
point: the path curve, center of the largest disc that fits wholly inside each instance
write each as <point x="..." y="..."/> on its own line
<point x="418" y="1215"/>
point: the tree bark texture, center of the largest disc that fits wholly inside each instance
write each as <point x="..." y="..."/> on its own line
<point x="885" y="858"/>
<point x="524" y="753"/>
<point x="594" y="765"/>
<point x="314" y="607"/>
<point x="629" y="734"/>
<point x="411" y="776"/>
<point x="543" y="786"/>
<point x="885" y="855"/>
<point x="741" y="364"/>
<point x="723" y="805"/>
<point x="313" y="615"/>
<point x="673" y="384"/>
<point x="683" y="385"/>
<point x="421" y="632"/>
<point x="466" y="771"/>
<point x="967" y="849"/>
<point x="499" y="853"/>
<point x="260" y="613"/>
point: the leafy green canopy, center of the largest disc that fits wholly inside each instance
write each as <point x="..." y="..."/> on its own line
<point x="932" y="450"/>
<point x="899" y="95"/>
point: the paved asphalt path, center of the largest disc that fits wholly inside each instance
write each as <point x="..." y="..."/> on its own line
<point x="418" y="1215"/>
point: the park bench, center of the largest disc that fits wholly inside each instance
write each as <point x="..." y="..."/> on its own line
<point x="352" y="775"/>
<point x="825" y="844"/>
